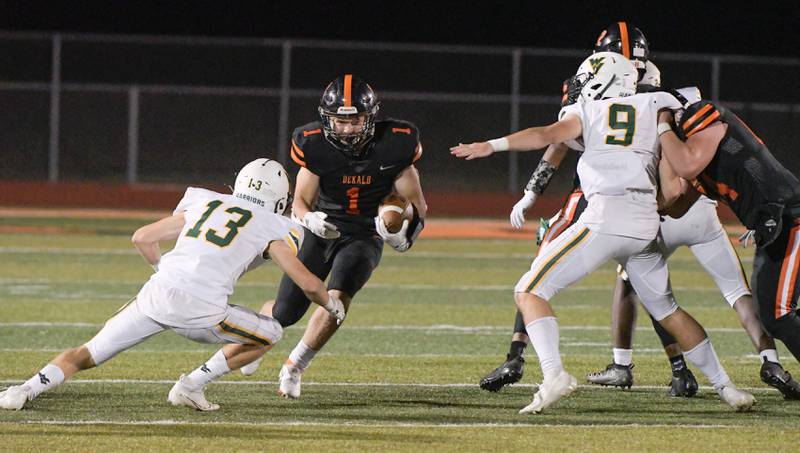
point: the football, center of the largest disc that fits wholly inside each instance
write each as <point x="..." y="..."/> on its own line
<point x="393" y="210"/>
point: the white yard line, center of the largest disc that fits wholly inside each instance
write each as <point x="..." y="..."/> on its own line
<point x="347" y="424"/>
<point x="369" y="384"/>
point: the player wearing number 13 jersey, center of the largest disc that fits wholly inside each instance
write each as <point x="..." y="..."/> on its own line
<point x="349" y="162"/>
<point x="218" y="238"/>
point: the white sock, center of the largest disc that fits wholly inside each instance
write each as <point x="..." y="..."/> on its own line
<point x="214" y="368"/>
<point x="705" y="358"/>
<point x="623" y="356"/>
<point x="769" y="354"/>
<point x="545" y="337"/>
<point x="301" y="356"/>
<point x="48" y="377"/>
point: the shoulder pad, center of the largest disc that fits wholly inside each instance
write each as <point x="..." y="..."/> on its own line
<point x="696" y="118"/>
<point x="402" y="137"/>
<point x="303" y="137"/>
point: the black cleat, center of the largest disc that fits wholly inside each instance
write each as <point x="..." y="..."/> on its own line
<point x="508" y="373"/>
<point x="614" y="375"/>
<point x="683" y="383"/>
<point x="774" y="375"/>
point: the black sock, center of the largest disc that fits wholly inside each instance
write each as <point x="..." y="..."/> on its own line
<point x="677" y="362"/>
<point x="517" y="348"/>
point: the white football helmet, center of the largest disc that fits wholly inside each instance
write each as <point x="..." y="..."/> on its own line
<point x="606" y="75"/>
<point x="651" y="78"/>
<point x="264" y="182"/>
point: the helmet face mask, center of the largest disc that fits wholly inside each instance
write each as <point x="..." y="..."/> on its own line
<point x="264" y="182"/>
<point x="344" y="103"/>
<point x="606" y="75"/>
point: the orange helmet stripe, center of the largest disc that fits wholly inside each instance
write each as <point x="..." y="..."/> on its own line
<point x="348" y="90"/>
<point x="623" y="35"/>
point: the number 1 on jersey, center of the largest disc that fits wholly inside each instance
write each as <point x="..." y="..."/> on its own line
<point x="626" y="122"/>
<point x="352" y="197"/>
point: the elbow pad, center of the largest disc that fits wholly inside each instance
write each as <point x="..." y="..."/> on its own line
<point x="540" y="178"/>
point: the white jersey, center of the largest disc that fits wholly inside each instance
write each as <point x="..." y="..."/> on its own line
<point x="619" y="166"/>
<point x="223" y="237"/>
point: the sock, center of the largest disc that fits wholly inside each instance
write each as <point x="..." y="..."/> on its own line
<point x="623" y="356"/>
<point x="517" y="348"/>
<point x="545" y="337"/>
<point x="48" y="377"/>
<point x="769" y="354"/>
<point x="214" y="368"/>
<point x="705" y="358"/>
<point x="301" y="355"/>
<point x="677" y="362"/>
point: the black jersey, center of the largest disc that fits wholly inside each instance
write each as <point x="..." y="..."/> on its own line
<point x="743" y="173"/>
<point x="350" y="190"/>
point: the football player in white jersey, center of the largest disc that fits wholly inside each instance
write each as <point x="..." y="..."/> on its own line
<point x="219" y="237"/>
<point x="618" y="173"/>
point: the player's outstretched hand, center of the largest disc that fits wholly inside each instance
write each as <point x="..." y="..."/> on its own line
<point x="517" y="216"/>
<point x="397" y="241"/>
<point x="336" y="308"/>
<point x="315" y="221"/>
<point x="472" y="150"/>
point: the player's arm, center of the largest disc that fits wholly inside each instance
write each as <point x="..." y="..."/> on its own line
<point x="689" y="158"/>
<point x="305" y="193"/>
<point x="312" y="287"/>
<point x="681" y="206"/>
<point x="567" y="128"/>
<point x="407" y="184"/>
<point x="146" y="238"/>
<point x="671" y="187"/>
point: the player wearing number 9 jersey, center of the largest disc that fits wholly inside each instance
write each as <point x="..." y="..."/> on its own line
<point x="219" y="237"/>
<point x="349" y="162"/>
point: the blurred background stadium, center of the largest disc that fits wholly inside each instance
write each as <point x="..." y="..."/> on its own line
<point x="142" y="109"/>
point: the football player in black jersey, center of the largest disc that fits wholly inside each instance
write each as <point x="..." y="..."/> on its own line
<point x="732" y="164"/>
<point x="349" y="163"/>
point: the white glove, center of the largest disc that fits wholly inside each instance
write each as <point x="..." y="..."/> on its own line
<point x="336" y="308"/>
<point x="397" y="241"/>
<point x="747" y="238"/>
<point x="518" y="211"/>
<point x="315" y="221"/>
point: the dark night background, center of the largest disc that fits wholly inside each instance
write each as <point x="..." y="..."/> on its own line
<point x="750" y="28"/>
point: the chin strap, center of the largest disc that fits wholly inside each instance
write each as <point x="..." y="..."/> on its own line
<point x="415" y="227"/>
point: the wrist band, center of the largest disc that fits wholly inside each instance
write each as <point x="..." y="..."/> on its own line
<point x="663" y="127"/>
<point x="499" y="144"/>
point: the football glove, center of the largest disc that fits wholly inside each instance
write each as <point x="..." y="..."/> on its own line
<point x="315" y="221"/>
<point x="399" y="240"/>
<point x="518" y="211"/>
<point x="336" y="308"/>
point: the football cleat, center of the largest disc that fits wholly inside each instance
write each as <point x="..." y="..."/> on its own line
<point x="551" y="391"/>
<point x="738" y="399"/>
<point x="180" y="395"/>
<point x="15" y="397"/>
<point x="510" y="372"/>
<point x="683" y="383"/>
<point x="251" y="367"/>
<point x="289" y="381"/>
<point x="774" y="375"/>
<point x="614" y="375"/>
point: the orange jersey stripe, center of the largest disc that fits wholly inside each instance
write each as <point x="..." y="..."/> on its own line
<point x="703" y="124"/>
<point x="297" y="149"/>
<point x="748" y="129"/>
<point x="788" y="275"/>
<point x="311" y="132"/>
<point x="623" y="35"/>
<point x="404" y="130"/>
<point x="697" y="115"/>
<point x="348" y="90"/>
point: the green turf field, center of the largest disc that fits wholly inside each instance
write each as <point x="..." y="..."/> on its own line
<point x="400" y="375"/>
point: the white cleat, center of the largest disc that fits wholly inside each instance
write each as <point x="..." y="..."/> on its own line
<point x="180" y="395"/>
<point x="551" y="391"/>
<point x="251" y="367"/>
<point x="738" y="399"/>
<point x="14" y="398"/>
<point x="289" y="381"/>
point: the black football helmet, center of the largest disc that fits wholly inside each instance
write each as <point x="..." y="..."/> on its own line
<point x="622" y="38"/>
<point x="349" y="96"/>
